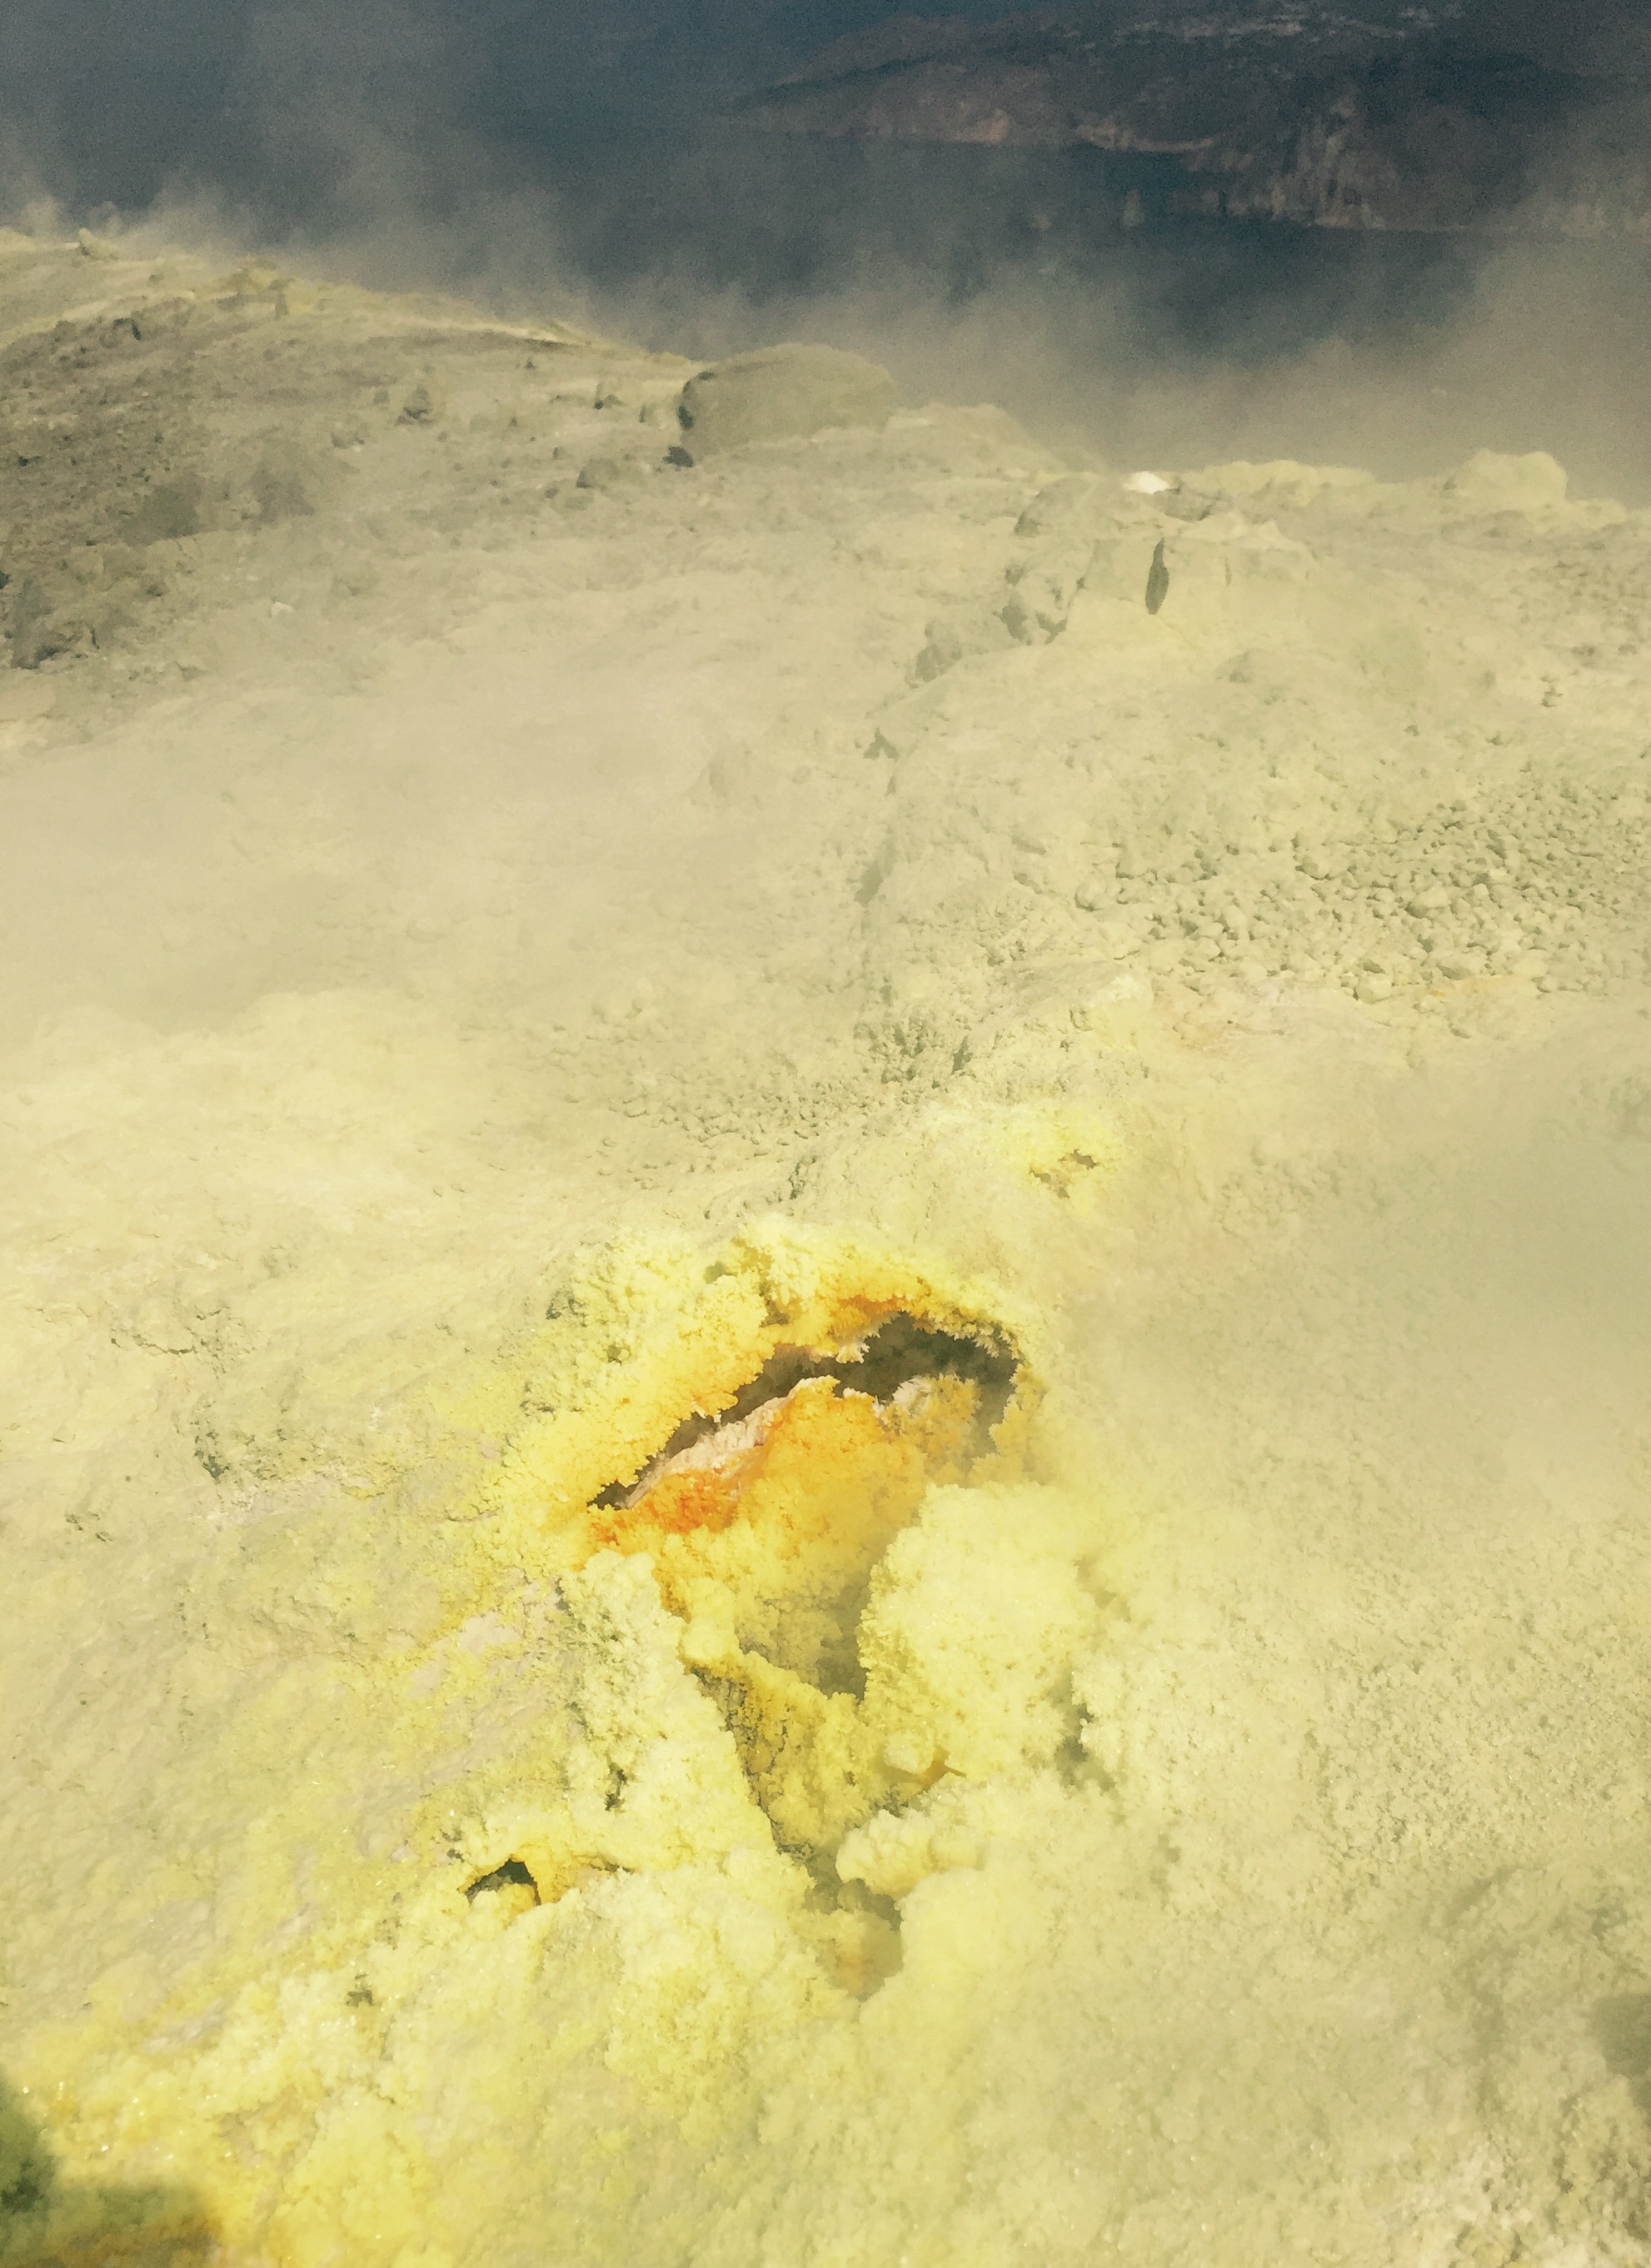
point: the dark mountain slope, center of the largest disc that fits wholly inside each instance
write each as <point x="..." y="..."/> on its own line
<point x="1482" y="120"/>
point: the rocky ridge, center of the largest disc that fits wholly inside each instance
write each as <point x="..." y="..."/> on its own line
<point x="1310" y="115"/>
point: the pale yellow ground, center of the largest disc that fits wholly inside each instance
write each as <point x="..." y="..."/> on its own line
<point x="487" y="972"/>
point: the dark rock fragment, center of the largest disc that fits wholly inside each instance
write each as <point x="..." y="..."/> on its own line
<point x="599" y="472"/>
<point x="172" y="509"/>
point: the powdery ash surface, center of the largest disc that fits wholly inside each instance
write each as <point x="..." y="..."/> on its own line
<point x="1131" y="1743"/>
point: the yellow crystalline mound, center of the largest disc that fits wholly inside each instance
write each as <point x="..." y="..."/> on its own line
<point x="646" y="1340"/>
<point x="746" y="1611"/>
<point x="762" y="1532"/>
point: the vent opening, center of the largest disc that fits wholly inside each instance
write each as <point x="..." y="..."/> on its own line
<point x="766" y="1522"/>
<point x="901" y="1352"/>
<point x="512" y="1877"/>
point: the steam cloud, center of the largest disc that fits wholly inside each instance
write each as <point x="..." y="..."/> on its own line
<point x="545" y="161"/>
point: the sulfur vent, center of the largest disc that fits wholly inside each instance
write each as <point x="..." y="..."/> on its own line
<point x="765" y="1523"/>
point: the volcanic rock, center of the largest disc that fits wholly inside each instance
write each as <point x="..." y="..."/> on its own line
<point x="782" y="393"/>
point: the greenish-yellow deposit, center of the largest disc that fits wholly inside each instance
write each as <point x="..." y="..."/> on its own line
<point x="825" y="1436"/>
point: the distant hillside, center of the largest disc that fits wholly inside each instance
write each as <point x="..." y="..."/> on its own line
<point x="1482" y="119"/>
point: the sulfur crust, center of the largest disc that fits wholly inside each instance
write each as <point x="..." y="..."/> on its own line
<point x="664" y="1925"/>
<point x="701" y="1343"/>
<point x="450" y="1824"/>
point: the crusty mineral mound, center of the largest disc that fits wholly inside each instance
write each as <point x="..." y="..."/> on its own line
<point x="824" y="1321"/>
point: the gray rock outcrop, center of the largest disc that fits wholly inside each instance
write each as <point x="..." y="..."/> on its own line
<point x="781" y="393"/>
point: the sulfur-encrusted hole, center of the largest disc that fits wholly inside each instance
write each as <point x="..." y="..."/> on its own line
<point x="512" y="1877"/>
<point x="870" y="1951"/>
<point x="899" y="1352"/>
<point x="765" y="1521"/>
